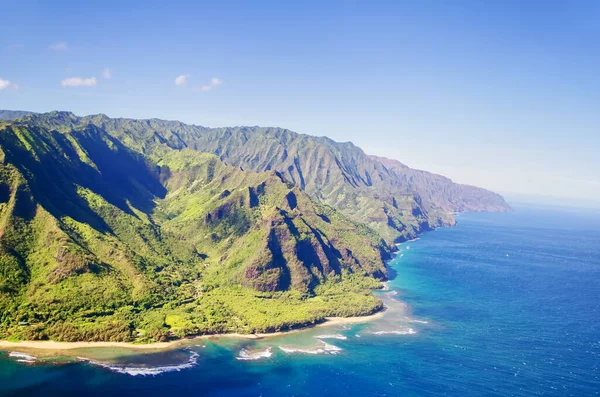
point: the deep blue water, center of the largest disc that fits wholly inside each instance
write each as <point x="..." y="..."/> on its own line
<point x="503" y="304"/>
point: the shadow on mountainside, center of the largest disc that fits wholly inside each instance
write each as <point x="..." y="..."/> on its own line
<point x="57" y="165"/>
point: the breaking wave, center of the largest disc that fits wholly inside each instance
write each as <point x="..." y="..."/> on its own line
<point x="22" y="357"/>
<point x="144" y="371"/>
<point x="323" y="348"/>
<point x="414" y="320"/>
<point x="404" y="331"/>
<point x="254" y="355"/>
<point x="332" y="336"/>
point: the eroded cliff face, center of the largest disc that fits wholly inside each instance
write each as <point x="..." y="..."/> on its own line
<point x="439" y="192"/>
<point x="296" y="254"/>
<point x="367" y="189"/>
<point x="116" y="229"/>
<point x="95" y="236"/>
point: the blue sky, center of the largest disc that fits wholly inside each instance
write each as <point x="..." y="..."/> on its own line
<point x="500" y="94"/>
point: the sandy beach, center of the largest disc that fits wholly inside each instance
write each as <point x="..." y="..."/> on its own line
<point x="51" y="345"/>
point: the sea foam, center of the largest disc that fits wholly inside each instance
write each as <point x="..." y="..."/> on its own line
<point x="404" y="331"/>
<point x="144" y="371"/>
<point x="414" y="320"/>
<point x="246" y="355"/>
<point x="22" y="357"/>
<point x="323" y="348"/>
<point x="332" y="336"/>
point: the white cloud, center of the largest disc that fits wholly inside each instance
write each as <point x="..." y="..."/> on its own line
<point x="60" y="46"/>
<point x="181" y="79"/>
<point x="79" y="82"/>
<point x="106" y="73"/>
<point x="6" y="84"/>
<point x="214" y="82"/>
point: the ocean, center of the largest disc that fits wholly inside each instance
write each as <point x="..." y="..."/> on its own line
<point x="501" y="305"/>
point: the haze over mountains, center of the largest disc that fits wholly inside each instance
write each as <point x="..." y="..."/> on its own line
<point x="122" y="229"/>
<point x="390" y="197"/>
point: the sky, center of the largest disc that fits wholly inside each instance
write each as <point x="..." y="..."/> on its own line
<point x="500" y="94"/>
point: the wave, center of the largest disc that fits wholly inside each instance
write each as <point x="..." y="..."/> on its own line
<point x="256" y="355"/>
<point x="144" y="371"/>
<point x="22" y="357"/>
<point x="324" y="348"/>
<point x="332" y="336"/>
<point x="414" y="320"/>
<point x="405" y="331"/>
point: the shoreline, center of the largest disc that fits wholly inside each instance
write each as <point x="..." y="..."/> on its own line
<point x="44" y="345"/>
<point x="49" y="346"/>
<point x="58" y="346"/>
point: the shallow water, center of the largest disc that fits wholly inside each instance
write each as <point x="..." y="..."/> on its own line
<point x="503" y="304"/>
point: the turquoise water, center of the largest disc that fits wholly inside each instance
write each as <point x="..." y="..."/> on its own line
<point x="503" y="304"/>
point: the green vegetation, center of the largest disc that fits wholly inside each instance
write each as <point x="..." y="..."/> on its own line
<point x="100" y="242"/>
<point x="394" y="200"/>
<point x="144" y="230"/>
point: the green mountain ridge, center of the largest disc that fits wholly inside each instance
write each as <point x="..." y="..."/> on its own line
<point x="100" y="243"/>
<point x="13" y="114"/>
<point x="396" y="201"/>
<point x="120" y="229"/>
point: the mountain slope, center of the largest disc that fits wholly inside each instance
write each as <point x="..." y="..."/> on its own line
<point x="119" y="229"/>
<point x="13" y="114"/>
<point x="396" y="201"/>
<point x="437" y="191"/>
<point x="99" y="242"/>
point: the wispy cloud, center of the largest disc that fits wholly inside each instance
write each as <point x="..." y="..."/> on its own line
<point x="4" y="84"/>
<point x="60" y="46"/>
<point x="181" y="79"/>
<point x="79" y="82"/>
<point x="214" y="82"/>
<point x="7" y="84"/>
<point x="106" y="73"/>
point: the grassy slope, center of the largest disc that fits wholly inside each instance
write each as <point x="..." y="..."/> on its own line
<point x="390" y="198"/>
<point x="98" y="242"/>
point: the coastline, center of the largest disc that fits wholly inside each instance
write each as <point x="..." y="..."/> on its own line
<point x="61" y="346"/>
<point x="54" y="346"/>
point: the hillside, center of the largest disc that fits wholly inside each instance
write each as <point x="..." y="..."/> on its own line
<point x="98" y="242"/>
<point x="120" y="229"/>
<point x="13" y="114"/>
<point x="439" y="192"/>
<point x="396" y="201"/>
